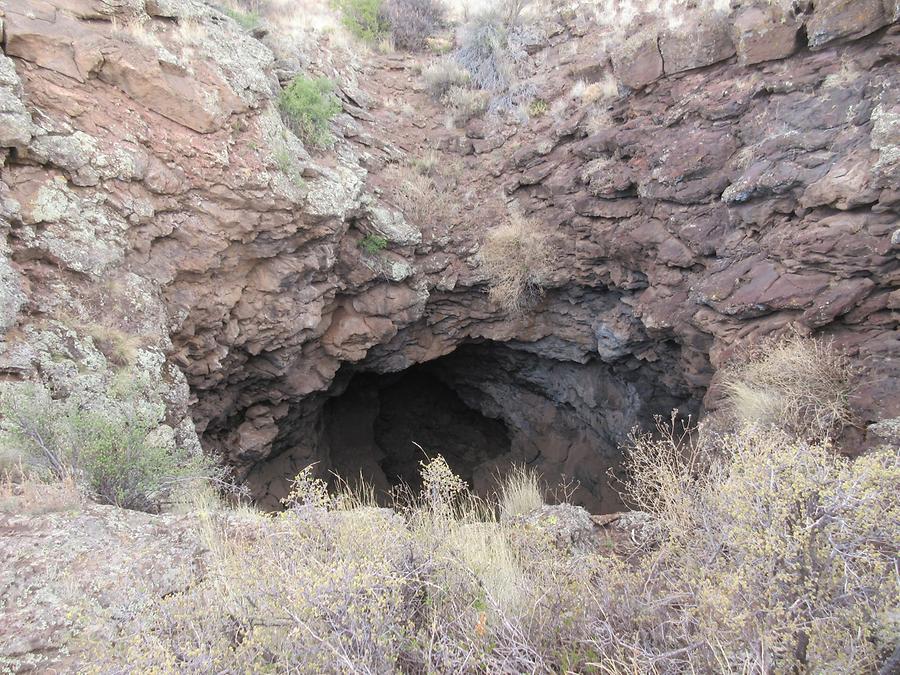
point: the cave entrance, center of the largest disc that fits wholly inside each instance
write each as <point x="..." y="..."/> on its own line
<point x="485" y="407"/>
<point x="383" y="426"/>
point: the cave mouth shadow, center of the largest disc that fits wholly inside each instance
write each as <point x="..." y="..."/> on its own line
<point x="382" y="426"/>
<point x="485" y="407"/>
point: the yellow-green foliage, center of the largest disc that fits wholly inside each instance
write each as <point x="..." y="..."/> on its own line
<point x="763" y="554"/>
<point x="796" y="384"/>
<point x="517" y="258"/>
<point x="774" y="554"/>
<point x="104" y="443"/>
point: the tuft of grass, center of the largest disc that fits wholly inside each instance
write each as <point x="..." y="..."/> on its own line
<point x="308" y="105"/>
<point x="373" y="243"/>
<point x="519" y="493"/>
<point x="517" y="258"/>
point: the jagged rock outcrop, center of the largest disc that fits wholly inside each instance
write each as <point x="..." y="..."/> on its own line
<point x="735" y="186"/>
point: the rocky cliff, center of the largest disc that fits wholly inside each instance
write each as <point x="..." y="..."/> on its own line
<point x="738" y="181"/>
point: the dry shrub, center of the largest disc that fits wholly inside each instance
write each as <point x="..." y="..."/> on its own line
<point x="441" y="75"/>
<point x="773" y="555"/>
<point x="799" y="385"/>
<point x="420" y="198"/>
<point x="412" y="22"/>
<point x="330" y="586"/>
<point x="518" y="260"/>
<point x="465" y="104"/>
<point x="768" y="555"/>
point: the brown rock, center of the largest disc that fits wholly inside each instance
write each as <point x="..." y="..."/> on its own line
<point x="703" y="39"/>
<point x="837" y="19"/>
<point x="762" y="33"/>
<point x="638" y="62"/>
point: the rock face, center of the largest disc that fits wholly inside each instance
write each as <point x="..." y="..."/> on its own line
<point x="98" y="561"/>
<point x="737" y="187"/>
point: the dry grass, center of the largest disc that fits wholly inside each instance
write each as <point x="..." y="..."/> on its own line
<point x="760" y="554"/>
<point x="767" y="554"/>
<point x="20" y="494"/>
<point x="517" y="258"/>
<point x="416" y="191"/>
<point x="442" y="75"/>
<point x="334" y="585"/>
<point x="799" y="385"/>
<point x="519" y="493"/>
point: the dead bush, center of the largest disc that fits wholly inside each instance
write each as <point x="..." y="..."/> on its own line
<point x="517" y="258"/>
<point x="412" y="22"/>
<point x="796" y="384"/>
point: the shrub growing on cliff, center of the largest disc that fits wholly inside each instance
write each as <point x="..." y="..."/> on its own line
<point x="517" y="259"/>
<point x="106" y="444"/>
<point x="363" y="18"/>
<point x="308" y="105"/>
<point x="412" y="22"/>
<point x="799" y="385"/>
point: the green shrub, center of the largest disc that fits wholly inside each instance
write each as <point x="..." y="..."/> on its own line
<point x="373" y="243"/>
<point x="308" y="106"/>
<point x="105" y="443"/>
<point x="363" y="18"/>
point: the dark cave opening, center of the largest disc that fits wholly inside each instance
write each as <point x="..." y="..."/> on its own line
<point x="485" y="407"/>
<point x="383" y="426"/>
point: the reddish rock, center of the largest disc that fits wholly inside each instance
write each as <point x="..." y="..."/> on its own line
<point x="638" y="61"/>
<point x="763" y="33"/>
<point x="838" y="19"/>
<point x="702" y="39"/>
